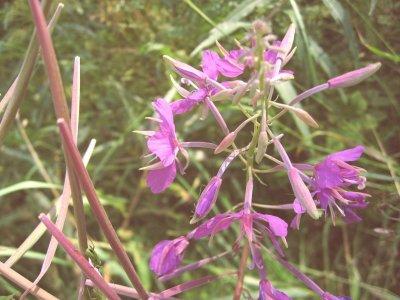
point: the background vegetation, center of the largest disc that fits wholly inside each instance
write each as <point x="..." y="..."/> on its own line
<point x="121" y="44"/>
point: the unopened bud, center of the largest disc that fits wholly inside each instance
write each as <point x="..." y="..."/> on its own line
<point x="302" y="193"/>
<point x="261" y="146"/>
<point x="353" y="77"/>
<point x="185" y="70"/>
<point x="305" y="117"/>
<point x="260" y="27"/>
<point x="226" y="142"/>
<point x="207" y="199"/>
<point x="287" y="42"/>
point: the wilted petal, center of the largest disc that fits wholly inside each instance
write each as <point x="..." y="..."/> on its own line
<point x="159" y="180"/>
<point x="167" y="255"/>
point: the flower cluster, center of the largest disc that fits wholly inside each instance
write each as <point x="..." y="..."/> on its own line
<point x="249" y="74"/>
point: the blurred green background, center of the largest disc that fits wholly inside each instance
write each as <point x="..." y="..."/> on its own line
<point x="121" y="44"/>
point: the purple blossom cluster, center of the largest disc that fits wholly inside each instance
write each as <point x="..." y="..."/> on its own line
<point x="248" y="75"/>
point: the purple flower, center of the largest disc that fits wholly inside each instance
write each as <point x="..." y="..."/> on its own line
<point x="332" y="176"/>
<point x="276" y="226"/>
<point x="165" y="145"/>
<point x="268" y="292"/>
<point x="207" y="199"/>
<point x="200" y="78"/>
<point x="167" y="255"/>
<point x="231" y="64"/>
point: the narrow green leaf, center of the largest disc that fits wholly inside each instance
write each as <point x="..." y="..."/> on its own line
<point x="27" y="185"/>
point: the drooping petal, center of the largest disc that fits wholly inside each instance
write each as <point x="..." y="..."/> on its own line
<point x="167" y="255"/>
<point x="209" y="64"/>
<point x="159" y="180"/>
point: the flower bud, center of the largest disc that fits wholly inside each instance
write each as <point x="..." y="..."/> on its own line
<point x="287" y="42"/>
<point x="353" y="77"/>
<point x="167" y="255"/>
<point x="207" y="199"/>
<point x="305" y="117"/>
<point x="261" y="146"/>
<point x="261" y="27"/>
<point x="302" y="193"/>
<point x="226" y="142"/>
<point x="185" y="70"/>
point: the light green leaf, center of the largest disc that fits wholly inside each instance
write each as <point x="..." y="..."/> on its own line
<point x="27" y="185"/>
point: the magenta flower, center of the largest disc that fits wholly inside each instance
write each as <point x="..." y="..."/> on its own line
<point x="332" y="176"/>
<point x="167" y="255"/>
<point x="232" y="65"/>
<point x="268" y="292"/>
<point x="165" y="145"/>
<point x="200" y="78"/>
<point x="220" y="222"/>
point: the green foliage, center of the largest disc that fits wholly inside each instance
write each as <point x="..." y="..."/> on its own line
<point x="121" y="44"/>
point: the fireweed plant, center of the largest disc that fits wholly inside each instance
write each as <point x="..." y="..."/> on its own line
<point x="246" y="77"/>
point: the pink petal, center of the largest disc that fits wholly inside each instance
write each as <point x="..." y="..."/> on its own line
<point x="348" y="154"/>
<point x="209" y="64"/>
<point x="159" y="180"/>
<point x="161" y="145"/>
<point x="164" y="110"/>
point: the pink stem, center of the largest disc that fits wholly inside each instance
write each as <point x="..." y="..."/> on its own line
<point x="80" y="260"/>
<point x="98" y="209"/>
<point x="217" y="115"/>
<point x="50" y="61"/>
<point x="308" y="93"/>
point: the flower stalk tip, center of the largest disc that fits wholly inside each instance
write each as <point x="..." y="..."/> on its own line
<point x="353" y="77"/>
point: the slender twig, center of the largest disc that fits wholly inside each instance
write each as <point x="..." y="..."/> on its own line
<point x="98" y="209"/>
